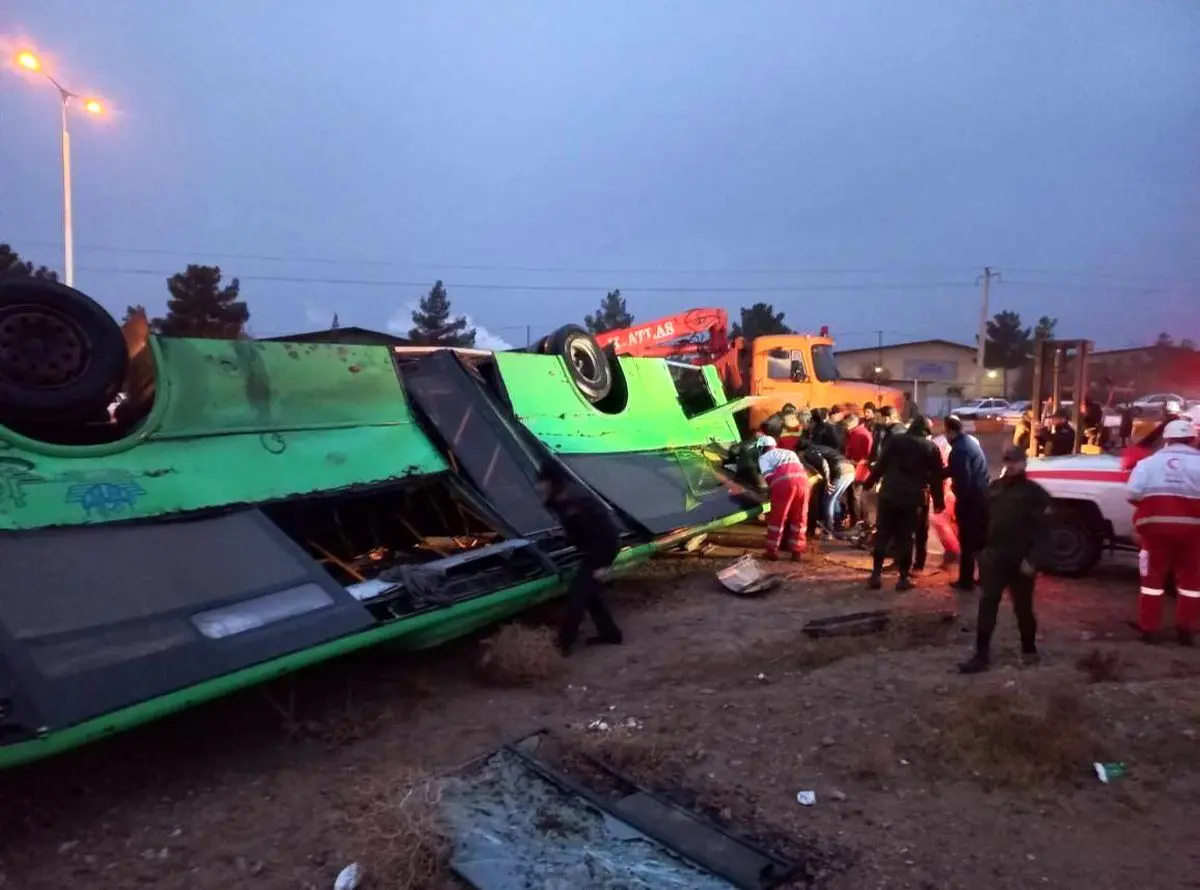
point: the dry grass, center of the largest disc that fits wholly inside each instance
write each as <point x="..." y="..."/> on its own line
<point x="391" y="826"/>
<point x="877" y="763"/>
<point x="1102" y="667"/>
<point x="517" y="655"/>
<point x="1018" y="740"/>
<point x="912" y="630"/>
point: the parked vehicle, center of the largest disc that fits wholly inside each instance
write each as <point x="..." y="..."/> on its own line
<point x="1015" y="411"/>
<point x="249" y="508"/>
<point x="979" y="409"/>
<point x="800" y="369"/>
<point x="1090" y="509"/>
<point x="1154" y="404"/>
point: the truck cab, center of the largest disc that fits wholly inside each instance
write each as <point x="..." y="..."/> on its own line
<point x="801" y="369"/>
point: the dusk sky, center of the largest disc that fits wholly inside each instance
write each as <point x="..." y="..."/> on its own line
<point x="854" y="163"/>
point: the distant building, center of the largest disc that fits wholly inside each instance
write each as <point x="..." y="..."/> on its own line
<point x="937" y="374"/>
<point x="351" y="336"/>
<point x="1143" y="370"/>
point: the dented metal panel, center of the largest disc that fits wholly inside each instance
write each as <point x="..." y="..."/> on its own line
<point x="236" y="422"/>
<point x="547" y="402"/>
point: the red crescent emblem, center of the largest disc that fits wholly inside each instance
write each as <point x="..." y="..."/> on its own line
<point x="1172" y="463"/>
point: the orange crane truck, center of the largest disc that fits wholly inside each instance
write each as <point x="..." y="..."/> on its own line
<point x="774" y="370"/>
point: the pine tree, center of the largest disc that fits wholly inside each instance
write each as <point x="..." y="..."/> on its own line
<point x="200" y="307"/>
<point x="432" y="324"/>
<point x="759" y="320"/>
<point x="11" y="265"/>
<point x="611" y="316"/>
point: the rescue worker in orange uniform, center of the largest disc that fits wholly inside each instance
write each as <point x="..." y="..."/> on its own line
<point x="1165" y="491"/>
<point x="788" y="481"/>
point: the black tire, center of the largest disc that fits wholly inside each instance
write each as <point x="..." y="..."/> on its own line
<point x="586" y="361"/>
<point x="1076" y="542"/>
<point x="62" y="356"/>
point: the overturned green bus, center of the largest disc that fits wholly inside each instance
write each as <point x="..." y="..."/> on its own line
<point x="183" y="518"/>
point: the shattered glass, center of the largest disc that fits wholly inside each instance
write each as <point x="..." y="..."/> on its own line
<point x="514" y="829"/>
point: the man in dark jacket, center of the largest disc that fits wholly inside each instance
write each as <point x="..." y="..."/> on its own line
<point x="885" y="426"/>
<point x="909" y="470"/>
<point x="1058" y="438"/>
<point x="968" y="473"/>
<point x="591" y="529"/>
<point x="824" y="430"/>
<point x="1013" y="551"/>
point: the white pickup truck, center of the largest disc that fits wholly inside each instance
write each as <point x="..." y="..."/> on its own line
<point x="1090" y="511"/>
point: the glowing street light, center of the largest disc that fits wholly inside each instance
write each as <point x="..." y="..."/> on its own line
<point x="31" y="62"/>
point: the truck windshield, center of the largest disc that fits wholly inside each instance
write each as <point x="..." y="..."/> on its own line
<point x="824" y="364"/>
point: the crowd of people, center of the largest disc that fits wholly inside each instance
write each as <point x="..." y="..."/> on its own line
<point x="833" y="471"/>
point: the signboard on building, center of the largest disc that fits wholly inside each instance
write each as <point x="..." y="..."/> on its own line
<point x="927" y="371"/>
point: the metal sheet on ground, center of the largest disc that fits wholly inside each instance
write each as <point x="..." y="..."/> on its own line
<point x="98" y="618"/>
<point x="515" y="829"/>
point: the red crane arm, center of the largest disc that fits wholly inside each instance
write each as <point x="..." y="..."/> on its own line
<point x="650" y="338"/>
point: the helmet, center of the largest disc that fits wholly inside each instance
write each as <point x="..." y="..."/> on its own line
<point x="1179" y="429"/>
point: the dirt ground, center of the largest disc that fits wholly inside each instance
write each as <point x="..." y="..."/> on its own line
<point x="923" y="778"/>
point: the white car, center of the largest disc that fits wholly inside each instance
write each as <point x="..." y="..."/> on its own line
<point x="977" y="409"/>
<point x="1155" y="403"/>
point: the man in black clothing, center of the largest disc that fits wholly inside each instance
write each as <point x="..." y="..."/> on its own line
<point x="591" y="530"/>
<point x="1013" y="550"/>
<point x="1058" y="440"/>
<point x="823" y="430"/>
<point x="885" y="426"/>
<point x="910" y="469"/>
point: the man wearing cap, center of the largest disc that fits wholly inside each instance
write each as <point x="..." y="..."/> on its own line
<point x="1165" y="491"/>
<point x="1012" y="551"/>
<point x="788" y="481"/>
<point x="1139" y="451"/>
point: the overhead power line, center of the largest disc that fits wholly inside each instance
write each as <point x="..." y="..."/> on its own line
<point x="577" y="270"/>
<point x="583" y="288"/>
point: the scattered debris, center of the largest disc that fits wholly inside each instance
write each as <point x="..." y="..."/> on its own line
<point x="349" y="878"/>
<point x="806" y="798"/>
<point x="1106" y="772"/>
<point x="745" y="577"/>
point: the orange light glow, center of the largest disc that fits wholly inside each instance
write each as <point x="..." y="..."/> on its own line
<point x="29" y="61"/>
<point x="93" y="106"/>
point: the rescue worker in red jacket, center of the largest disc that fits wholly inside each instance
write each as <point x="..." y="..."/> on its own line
<point x="788" y="481"/>
<point x="1165" y="491"/>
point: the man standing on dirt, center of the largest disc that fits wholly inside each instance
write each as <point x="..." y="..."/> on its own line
<point x="788" y="479"/>
<point x="591" y="529"/>
<point x="909" y="470"/>
<point x="968" y="473"/>
<point x="1016" y="536"/>
<point x="1165" y="491"/>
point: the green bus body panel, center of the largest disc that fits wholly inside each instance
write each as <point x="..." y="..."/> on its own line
<point x="545" y="400"/>
<point x="235" y="422"/>
<point x="419" y="632"/>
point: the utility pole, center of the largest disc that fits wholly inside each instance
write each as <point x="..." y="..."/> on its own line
<point x="879" y="367"/>
<point x="986" y="280"/>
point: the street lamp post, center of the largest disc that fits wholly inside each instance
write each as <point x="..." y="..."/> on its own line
<point x="30" y="62"/>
